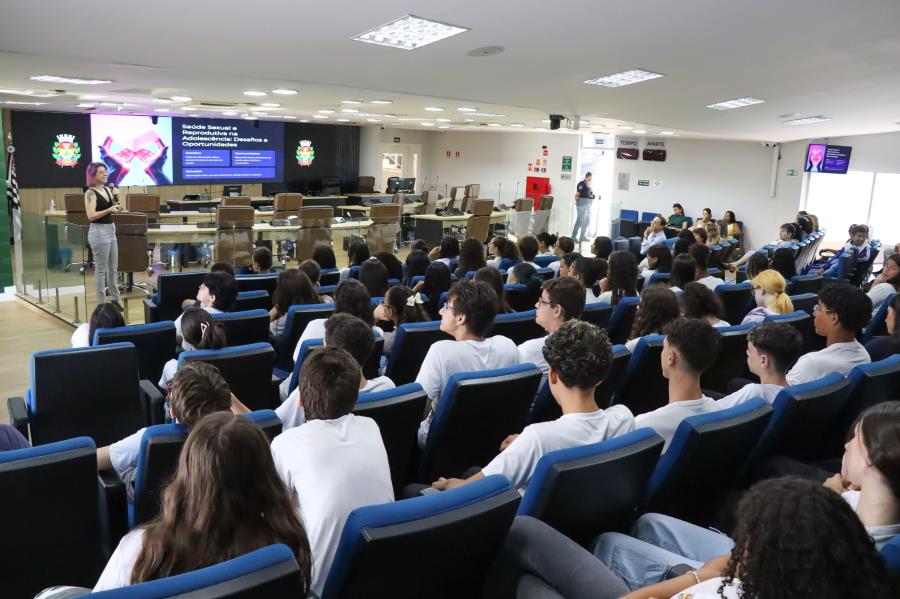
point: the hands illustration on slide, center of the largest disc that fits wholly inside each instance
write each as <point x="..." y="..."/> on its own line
<point x="155" y="169"/>
<point x="118" y="160"/>
<point x="117" y="164"/>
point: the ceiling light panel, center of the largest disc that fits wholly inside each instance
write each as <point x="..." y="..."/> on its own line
<point x="285" y="92"/>
<point x="624" y="78"/>
<point x="409" y="32"/>
<point x="809" y="120"/>
<point x="736" y="103"/>
<point x="68" y="80"/>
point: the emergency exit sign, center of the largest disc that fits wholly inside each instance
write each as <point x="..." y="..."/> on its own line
<point x="567" y="164"/>
<point x="643" y="182"/>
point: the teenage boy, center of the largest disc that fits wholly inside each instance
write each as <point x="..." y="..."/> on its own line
<point x="336" y="461"/>
<point x="700" y="253"/>
<point x="197" y="389"/>
<point x="467" y="317"/>
<point x="217" y="293"/>
<point x="772" y="349"/>
<point x="561" y="300"/>
<point x="690" y="347"/>
<point x="349" y="333"/>
<point x="579" y="355"/>
<point x="261" y="261"/>
<point x="842" y="311"/>
<point x="528" y="247"/>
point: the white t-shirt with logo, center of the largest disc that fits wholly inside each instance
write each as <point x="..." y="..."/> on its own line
<point x="332" y="467"/>
<point x="837" y="357"/>
<point x="748" y="392"/>
<point x="665" y="420"/>
<point x="533" y="351"/>
<point x="291" y="413"/>
<point x="446" y="358"/>
<point x="518" y="461"/>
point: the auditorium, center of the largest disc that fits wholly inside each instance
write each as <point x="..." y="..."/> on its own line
<point x="429" y="300"/>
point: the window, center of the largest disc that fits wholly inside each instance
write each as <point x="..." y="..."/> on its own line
<point x="885" y="216"/>
<point x="839" y="201"/>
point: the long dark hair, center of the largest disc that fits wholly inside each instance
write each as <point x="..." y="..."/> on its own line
<point x="210" y="514"/>
<point x="351" y="297"/>
<point x="683" y="270"/>
<point x="324" y="256"/>
<point x="699" y="301"/>
<point x="622" y="275"/>
<point x="526" y="274"/>
<point x="658" y="307"/>
<point x="663" y="258"/>
<point x="374" y="275"/>
<point x="492" y="277"/>
<point x="895" y="280"/>
<point x="293" y="288"/>
<point x="602" y="247"/>
<point x="471" y="257"/>
<point x="416" y="264"/>
<point x="588" y="271"/>
<point x="783" y="518"/>
<point x="783" y="262"/>
<point x="880" y="428"/>
<point x="200" y="330"/>
<point x="895" y="305"/>
<point x="104" y="316"/>
<point x="392" y="263"/>
<point x="437" y="281"/>
<point x="397" y="298"/>
<point x="449" y="247"/>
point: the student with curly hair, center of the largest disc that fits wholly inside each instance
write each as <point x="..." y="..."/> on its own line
<point x="843" y="310"/>
<point x="657" y="308"/>
<point x="471" y="257"/>
<point x="561" y="300"/>
<point x="698" y="301"/>
<point x="621" y="277"/>
<point x="579" y="355"/>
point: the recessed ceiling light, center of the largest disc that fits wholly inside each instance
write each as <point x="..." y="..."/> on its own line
<point x="639" y="131"/>
<point x="162" y="100"/>
<point x="247" y="117"/>
<point x="517" y="125"/>
<point x="255" y="93"/>
<point x="467" y="109"/>
<point x="258" y="113"/>
<point x="24" y="103"/>
<point x="412" y="118"/>
<point x="426" y="124"/>
<point x="736" y="103"/>
<point x="434" y="109"/>
<point x="285" y="92"/>
<point x="374" y="120"/>
<point x="270" y="105"/>
<point x="469" y="120"/>
<point x="667" y="133"/>
<point x="546" y="121"/>
<point x="488" y="114"/>
<point x="351" y="102"/>
<point x="494" y="125"/>
<point x="162" y="110"/>
<point x="443" y="120"/>
<point x="69" y="80"/>
<point x="111" y="104"/>
<point x="288" y="116"/>
<point x="624" y="78"/>
<point x="381" y="101"/>
<point x="349" y="110"/>
<point x="320" y="116"/>
<point x="91" y="97"/>
<point x="626" y="127"/>
<point x="181" y="98"/>
<point x="409" y="32"/>
<point x="303" y="121"/>
<point x="92" y="105"/>
<point x="343" y="120"/>
<point x="325" y="111"/>
<point x="444" y="127"/>
<point x="230" y="112"/>
<point x="809" y="120"/>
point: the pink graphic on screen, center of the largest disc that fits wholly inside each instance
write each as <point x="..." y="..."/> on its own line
<point x="135" y="150"/>
<point x="815" y="157"/>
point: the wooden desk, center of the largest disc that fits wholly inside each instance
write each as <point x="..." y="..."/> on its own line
<point x="355" y="198"/>
<point x="431" y="227"/>
<point x="180" y="216"/>
<point x="174" y="204"/>
<point x="407" y="208"/>
<point x="182" y="233"/>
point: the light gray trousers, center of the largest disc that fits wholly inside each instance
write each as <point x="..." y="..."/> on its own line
<point x="102" y="238"/>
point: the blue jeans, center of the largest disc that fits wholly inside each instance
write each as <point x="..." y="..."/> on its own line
<point x="582" y="221"/>
<point x="658" y="542"/>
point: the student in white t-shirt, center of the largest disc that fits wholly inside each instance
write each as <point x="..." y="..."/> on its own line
<point x="347" y="332"/>
<point x="700" y="253"/>
<point x="357" y="253"/>
<point x="197" y="389"/>
<point x="579" y="355"/>
<point x="772" y="349"/>
<point x="199" y="331"/>
<point x="528" y="248"/>
<point x="217" y="293"/>
<point x="842" y="311"/>
<point x="104" y="316"/>
<point x="467" y="317"/>
<point x="226" y="500"/>
<point x="336" y="461"/>
<point x="690" y="347"/>
<point x="886" y="283"/>
<point x="561" y="300"/>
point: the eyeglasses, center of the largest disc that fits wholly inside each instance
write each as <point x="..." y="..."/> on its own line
<point x="816" y="310"/>
<point x="546" y="303"/>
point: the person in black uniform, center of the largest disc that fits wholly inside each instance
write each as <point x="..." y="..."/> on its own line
<point x="584" y="197"/>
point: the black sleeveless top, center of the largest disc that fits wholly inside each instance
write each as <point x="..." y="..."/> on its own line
<point x="103" y="202"/>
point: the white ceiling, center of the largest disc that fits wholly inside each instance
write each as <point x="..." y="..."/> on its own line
<point x="804" y="57"/>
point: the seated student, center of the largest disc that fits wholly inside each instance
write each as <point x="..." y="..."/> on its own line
<point x="564" y="245"/>
<point x="313" y="272"/>
<point x="700" y="235"/>
<point x="578" y="355"/>
<point x="757" y="263"/>
<point x="769" y="295"/>
<point x="471" y="257"/>
<point x="842" y="311"/>
<point x="705" y="219"/>
<point x="492" y="277"/>
<point x="193" y="303"/>
<point x="524" y="273"/>
<point x="217" y="293"/>
<point x="209" y="514"/>
<point x="323" y="254"/>
<point x="602" y="247"/>
<point x="416" y="264"/>
<point x="565" y="264"/>
<point x="658" y="307"/>
<point x="546" y="241"/>
<point x="293" y="288"/>
<point x="261" y="261"/>
<point x="11" y="439"/>
<point x="777" y="519"/>
<point x="678" y="220"/>
<point x="419" y="245"/>
<point x="712" y="234"/>
<point x="589" y="271"/>
<point x="859" y="241"/>
<point x="437" y="280"/>
<point x="200" y="331"/>
<point x="447" y="252"/>
<point x="357" y="253"/>
<point x="883" y="285"/>
<point x="104" y="316"/>
<point x="373" y="275"/>
<point x="653" y="235"/>
<point x="682" y="245"/>
<point x="884" y="346"/>
<point x="336" y="461"/>
<point x="561" y="300"/>
<point x="772" y="350"/>
<point x="732" y="228"/>
<point x="392" y="264"/>
<point x="467" y="316"/>
<point x="784" y="262"/>
<point x="621" y="277"/>
<point x="197" y="389"/>
<point x="697" y="301"/>
<point x="349" y="333"/>
<point x="659" y="259"/>
<point x="506" y="254"/>
<point x="528" y="248"/>
<point x="690" y="347"/>
<point x="400" y="306"/>
<point x="785" y="240"/>
<point x="683" y="270"/>
<point x="700" y="253"/>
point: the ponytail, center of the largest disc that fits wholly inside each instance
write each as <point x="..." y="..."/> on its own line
<point x="774" y="284"/>
<point x="781" y="303"/>
<point x="212" y="336"/>
<point x="200" y="330"/>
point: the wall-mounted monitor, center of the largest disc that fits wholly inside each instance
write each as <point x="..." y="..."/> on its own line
<point x="824" y="158"/>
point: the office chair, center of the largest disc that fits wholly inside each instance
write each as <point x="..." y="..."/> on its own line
<point x="331" y="186"/>
<point x="385" y="227"/>
<point x="172" y="289"/>
<point x="315" y="229"/>
<point x="77" y="224"/>
<point x="243" y="201"/>
<point x="234" y="234"/>
<point x="246" y="368"/>
<point x="365" y="185"/>
<point x="134" y="252"/>
<point x="154" y="343"/>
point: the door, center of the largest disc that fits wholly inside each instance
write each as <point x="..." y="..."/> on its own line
<point x="400" y="160"/>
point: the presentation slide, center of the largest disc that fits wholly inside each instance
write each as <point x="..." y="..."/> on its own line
<point x="52" y="148"/>
<point x="134" y="148"/>
<point x="219" y="150"/>
<point x="822" y="158"/>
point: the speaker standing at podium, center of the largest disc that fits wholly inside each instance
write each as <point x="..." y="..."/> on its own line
<point x="584" y="198"/>
<point x="100" y="202"/>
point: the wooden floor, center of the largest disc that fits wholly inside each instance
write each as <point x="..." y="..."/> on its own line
<point x="24" y="329"/>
